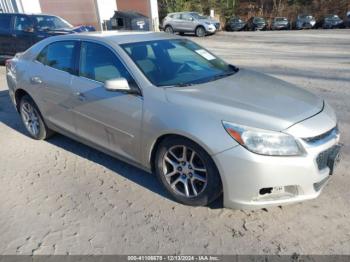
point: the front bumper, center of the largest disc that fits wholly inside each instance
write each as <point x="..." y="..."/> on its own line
<point x="278" y="27"/>
<point x="255" y="181"/>
<point x="210" y="28"/>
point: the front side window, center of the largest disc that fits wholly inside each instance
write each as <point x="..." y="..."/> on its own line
<point x="23" y="23"/>
<point x="99" y="63"/>
<point x="198" y="16"/>
<point x="186" y="17"/>
<point x="176" y="62"/>
<point x="59" y="55"/>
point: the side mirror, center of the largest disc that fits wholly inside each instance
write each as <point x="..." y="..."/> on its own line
<point x="117" y="84"/>
<point x="120" y="85"/>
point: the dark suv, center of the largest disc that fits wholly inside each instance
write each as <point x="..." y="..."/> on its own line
<point x="256" y="24"/>
<point x="18" y="32"/>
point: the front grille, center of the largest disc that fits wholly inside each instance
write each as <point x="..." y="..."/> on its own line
<point x="312" y="140"/>
<point x="324" y="158"/>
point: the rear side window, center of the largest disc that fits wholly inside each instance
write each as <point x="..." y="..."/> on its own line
<point x="59" y="55"/>
<point x="99" y="63"/>
<point x="5" y="23"/>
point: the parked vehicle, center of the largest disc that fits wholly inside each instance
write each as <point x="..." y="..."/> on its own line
<point x="347" y="19"/>
<point x="280" y="23"/>
<point x="168" y="105"/>
<point x="235" y="24"/>
<point x="190" y="22"/>
<point x="331" y="21"/>
<point x="305" y="22"/>
<point x="256" y="23"/>
<point x="129" y="21"/>
<point x="20" y="31"/>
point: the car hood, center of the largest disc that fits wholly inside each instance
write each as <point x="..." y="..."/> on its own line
<point x="209" y="20"/>
<point x="249" y="98"/>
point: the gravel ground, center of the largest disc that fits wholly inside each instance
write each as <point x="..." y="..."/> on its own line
<point x="61" y="197"/>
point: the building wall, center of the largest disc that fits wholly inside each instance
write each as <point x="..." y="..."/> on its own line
<point x="76" y="12"/>
<point x="30" y="6"/>
<point x="141" y="6"/>
<point x="148" y="8"/>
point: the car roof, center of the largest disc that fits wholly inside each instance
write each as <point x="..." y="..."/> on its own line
<point x="118" y="37"/>
<point x="31" y="14"/>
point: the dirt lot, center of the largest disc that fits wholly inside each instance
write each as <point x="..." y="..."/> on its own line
<point x="59" y="196"/>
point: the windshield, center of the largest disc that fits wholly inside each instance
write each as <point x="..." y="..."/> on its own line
<point x="51" y="22"/>
<point x="236" y="20"/>
<point x="306" y="17"/>
<point x="333" y="17"/>
<point x="198" y="16"/>
<point x="177" y="62"/>
<point x="259" y="19"/>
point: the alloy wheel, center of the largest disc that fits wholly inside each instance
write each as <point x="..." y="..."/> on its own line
<point x="30" y="118"/>
<point x="184" y="171"/>
<point x="200" y="31"/>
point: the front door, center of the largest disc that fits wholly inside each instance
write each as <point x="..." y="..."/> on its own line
<point x="111" y="120"/>
<point x="187" y="23"/>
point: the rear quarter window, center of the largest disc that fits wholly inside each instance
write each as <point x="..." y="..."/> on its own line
<point x="5" y="23"/>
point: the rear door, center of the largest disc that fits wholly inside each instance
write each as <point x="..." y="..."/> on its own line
<point x="175" y="22"/>
<point x="51" y="78"/>
<point x="6" y="48"/>
<point x="23" y="32"/>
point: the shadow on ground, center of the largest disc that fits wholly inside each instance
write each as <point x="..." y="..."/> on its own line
<point x="9" y="117"/>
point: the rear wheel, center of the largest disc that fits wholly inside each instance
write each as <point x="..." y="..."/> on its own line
<point x="200" y="31"/>
<point x="187" y="172"/>
<point x="168" y="29"/>
<point x="33" y="120"/>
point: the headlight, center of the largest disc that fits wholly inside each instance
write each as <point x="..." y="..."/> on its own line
<point x="264" y="142"/>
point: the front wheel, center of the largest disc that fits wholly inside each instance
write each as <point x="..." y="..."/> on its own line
<point x="187" y="172"/>
<point x="200" y="31"/>
<point x="33" y="120"/>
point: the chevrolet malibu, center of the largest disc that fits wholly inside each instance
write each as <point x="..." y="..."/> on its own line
<point x="171" y="107"/>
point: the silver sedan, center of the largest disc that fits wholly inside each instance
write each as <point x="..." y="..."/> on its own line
<point x="171" y="107"/>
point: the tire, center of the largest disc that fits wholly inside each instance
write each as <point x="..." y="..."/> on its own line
<point x="169" y="29"/>
<point x="198" y="171"/>
<point x="200" y="31"/>
<point x="33" y="120"/>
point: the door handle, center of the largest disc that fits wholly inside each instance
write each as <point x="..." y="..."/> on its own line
<point x="36" y="80"/>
